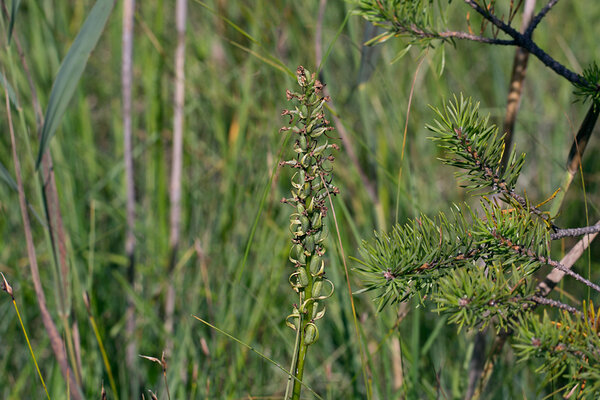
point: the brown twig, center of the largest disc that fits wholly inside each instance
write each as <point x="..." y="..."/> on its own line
<point x="561" y="233"/>
<point x="553" y="278"/>
<point x="556" y="304"/>
<point x="475" y="38"/>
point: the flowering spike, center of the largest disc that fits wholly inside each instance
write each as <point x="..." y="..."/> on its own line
<point x="311" y="185"/>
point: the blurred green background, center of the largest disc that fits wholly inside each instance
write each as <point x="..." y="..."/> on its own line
<point x="235" y="92"/>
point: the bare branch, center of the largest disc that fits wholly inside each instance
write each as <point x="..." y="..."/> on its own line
<point x="561" y="233"/>
<point x="538" y="18"/>
<point x="475" y="38"/>
<point x="554" y="277"/>
<point x="568" y="271"/>
<point x="525" y="42"/>
<point x="557" y="304"/>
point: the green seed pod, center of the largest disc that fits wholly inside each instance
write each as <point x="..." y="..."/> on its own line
<point x="317" y="221"/>
<point x="317" y="236"/>
<point x="296" y="252"/>
<point x="317" y="286"/>
<point x="303" y="111"/>
<point x="317" y="315"/>
<point x="317" y="185"/>
<point x="318" y="132"/>
<point x="317" y="109"/>
<point x="304" y="223"/>
<point x="322" y="235"/>
<point x="316" y="266"/>
<point x="300" y="208"/>
<point x="301" y="177"/>
<point x="302" y="277"/>
<point x="309" y="245"/>
<point x="303" y="142"/>
<point x="310" y="204"/>
<point x="320" y="149"/>
<point x="311" y="334"/>
<point x="307" y="76"/>
<point x="307" y="160"/>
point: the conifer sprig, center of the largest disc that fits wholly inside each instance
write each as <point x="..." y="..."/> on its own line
<point x="477" y="148"/>
<point x="478" y="266"/>
<point x="568" y="346"/>
<point x="311" y="185"/>
<point x="416" y="257"/>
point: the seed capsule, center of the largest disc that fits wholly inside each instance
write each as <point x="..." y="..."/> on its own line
<point x="311" y="334"/>
<point x="317" y="286"/>
<point x="303" y="277"/>
<point x="317" y="221"/>
<point x="316" y="265"/>
<point x="309" y="245"/>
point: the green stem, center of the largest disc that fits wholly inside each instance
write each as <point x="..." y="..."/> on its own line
<point x="305" y="319"/>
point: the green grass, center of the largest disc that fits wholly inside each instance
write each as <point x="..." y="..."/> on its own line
<point x="231" y="145"/>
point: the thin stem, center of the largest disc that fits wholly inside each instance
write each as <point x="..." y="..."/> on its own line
<point x="475" y="38"/>
<point x="111" y="379"/>
<point x="538" y="18"/>
<point x="4" y="285"/>
<point x="305" y="316"/>
<point x="553" y="278"/>
<point x="557" y="304"/>
<point x="292" y="371"/>
<point x="561" y="233"/>
<point x="261" y="355"/>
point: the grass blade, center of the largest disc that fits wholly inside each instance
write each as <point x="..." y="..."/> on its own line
<point x="13" y="15"/>
<point x="71" y="69"/>
<point x="9" y="89"/>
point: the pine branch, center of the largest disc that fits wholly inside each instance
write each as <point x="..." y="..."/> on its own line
<point x="480" y="151"/>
